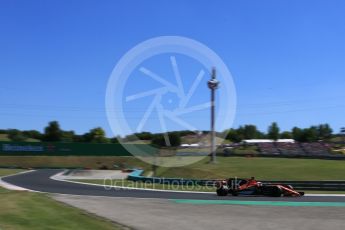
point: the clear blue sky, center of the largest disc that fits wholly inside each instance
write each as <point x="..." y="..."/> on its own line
<point x="287" y="57"/>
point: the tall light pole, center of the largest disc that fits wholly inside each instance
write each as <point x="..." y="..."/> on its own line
<point x="213" y="85"/>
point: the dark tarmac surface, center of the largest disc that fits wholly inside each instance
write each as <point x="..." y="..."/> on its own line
<point x="39" y="180"/>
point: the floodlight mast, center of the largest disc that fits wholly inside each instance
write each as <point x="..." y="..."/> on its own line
<point x="213" y="85"/>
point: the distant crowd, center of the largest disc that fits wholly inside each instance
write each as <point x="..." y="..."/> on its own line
<point x="295" y="149"/>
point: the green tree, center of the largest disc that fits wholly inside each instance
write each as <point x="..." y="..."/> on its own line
<point x="286" y="135"/>
<point x="310" y="134"/>
<point x="233" y="136"/>
<point x="68" y="136"/>
<point x="342" y="133"/>
<point x="144" y="135"/>
<point x="34" y="134"/>
<point x="250" y="132"/>
<point x="186" y="132"/>
<point x="324" y="131"/>
<point x="115" y="140"/>
<point x="174" y="138"/>
<point x="97" y="135"/>
<point x="16" y="135"/>
<point x="273" y="131"/>
<point x="240" y="133"/>
<point x="342" y="130"/>
<point x="79" y="138"/>
<point x="297" y="134"/>
<point x="158" y="140"/>
<point x="305" y="135"/>
<point x="52" y="132"/>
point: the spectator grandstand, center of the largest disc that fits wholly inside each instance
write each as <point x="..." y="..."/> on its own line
<point x="289" y="148"/>
<point x="293" y="148"/>
<point x="315" y="149"/>
<point x="268" y="148"/>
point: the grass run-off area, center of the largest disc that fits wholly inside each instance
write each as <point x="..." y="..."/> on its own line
<point x="28" y="210"/>
<point x="263" y="168"/>
<point x="5" y="172"/>
<point x="92" y="162"/>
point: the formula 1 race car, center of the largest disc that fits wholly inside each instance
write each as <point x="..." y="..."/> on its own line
<point x="237" y="187"/>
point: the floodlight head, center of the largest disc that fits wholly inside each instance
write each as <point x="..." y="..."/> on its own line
<point x="213" y="83"/>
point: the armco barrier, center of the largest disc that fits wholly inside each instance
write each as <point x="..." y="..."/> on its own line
<point x="69" y="149"/>
<point x="136" y="175"/>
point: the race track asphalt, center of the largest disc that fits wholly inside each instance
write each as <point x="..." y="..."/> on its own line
<point x="39" y="180"/>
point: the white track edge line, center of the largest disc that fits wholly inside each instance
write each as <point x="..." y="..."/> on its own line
<point x="10" y="186"/>
<point x="124" y="187"/>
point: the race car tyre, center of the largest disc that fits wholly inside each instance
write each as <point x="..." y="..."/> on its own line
<point x="276" y="191"/>
<point x="301" y="193"/>
<point x="234" y="193"/>
<point x="222" y="191"/>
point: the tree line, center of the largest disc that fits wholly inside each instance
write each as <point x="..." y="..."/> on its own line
<point x="53" y="133"/>
<point x="311" y="134"/>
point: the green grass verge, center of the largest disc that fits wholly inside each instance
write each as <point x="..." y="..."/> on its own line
<point x="323" y="192"/>
<point x="26" y="210"/>
<point x="260" y="167"/>
<point x="6" y="172"/>
<point x="94" y="162"/>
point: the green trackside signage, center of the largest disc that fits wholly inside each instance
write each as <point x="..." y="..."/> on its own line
<point x="69" y="149"/>
<point x="6" y="147"/>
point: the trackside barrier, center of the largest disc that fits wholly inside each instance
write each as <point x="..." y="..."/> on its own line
<point x="72" y="149"/>
<point x="335" y="185"/>
<point x="323" y="157"/>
